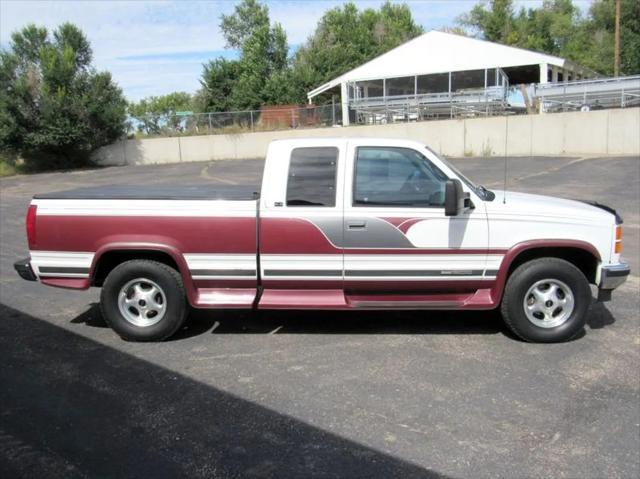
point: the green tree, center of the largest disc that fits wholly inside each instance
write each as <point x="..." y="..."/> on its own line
<point x="242" y="84"/>
<point x="557" y="27"/>
<point x="155" y="113"/>
<point x="218" y="80"/>
<point x="247" y="17"/>
<point x="55" y="109"/>
<point x="495" y="21"/>
<point x="346" y="37"/>
<point x="601" y="28"/>
<point x="552" y="28"/>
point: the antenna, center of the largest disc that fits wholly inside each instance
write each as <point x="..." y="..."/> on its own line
<point x="506" y="139"/>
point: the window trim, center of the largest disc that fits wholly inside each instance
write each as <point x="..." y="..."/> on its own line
<point x="355" y="172"/>
<point x="335" y="178"/>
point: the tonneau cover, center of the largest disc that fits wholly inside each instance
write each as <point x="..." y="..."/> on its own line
<point x="157" y="192"/>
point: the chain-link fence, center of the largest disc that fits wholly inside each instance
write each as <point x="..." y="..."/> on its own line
<point x="266" y="119"/>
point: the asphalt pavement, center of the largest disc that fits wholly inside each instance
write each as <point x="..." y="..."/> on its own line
<point x="316" y="394"/>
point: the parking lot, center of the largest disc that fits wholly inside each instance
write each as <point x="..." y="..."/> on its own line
<point x="312" y="394"/>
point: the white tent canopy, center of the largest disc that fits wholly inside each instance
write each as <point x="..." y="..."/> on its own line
<point x="439" y="52"/>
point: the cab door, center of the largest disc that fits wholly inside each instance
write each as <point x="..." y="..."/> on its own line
<point x="301" y="218"/>
<point x="397" y="238"/>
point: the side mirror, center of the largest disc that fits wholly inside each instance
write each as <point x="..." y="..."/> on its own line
<point x="455" y="199"/>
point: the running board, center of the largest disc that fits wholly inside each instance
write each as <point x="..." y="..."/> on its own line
<point x="336" y="299"/>
<point x="480" y="299"/>
<point x="303" y="299"/>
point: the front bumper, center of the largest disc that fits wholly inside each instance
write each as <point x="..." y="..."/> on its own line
<point x="612" y="276"/>
<point x="23" y="267"/>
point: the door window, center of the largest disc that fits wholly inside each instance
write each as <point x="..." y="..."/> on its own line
<point x="388" y="176"/>
<point x="312" y="177"/>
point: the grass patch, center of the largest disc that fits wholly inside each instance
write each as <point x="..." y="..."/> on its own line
<point x="7" y="169"/>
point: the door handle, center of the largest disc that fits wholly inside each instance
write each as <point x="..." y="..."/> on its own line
<point x="356" y="225"/>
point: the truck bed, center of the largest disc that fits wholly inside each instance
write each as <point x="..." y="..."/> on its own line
<point x="157" y="192"/>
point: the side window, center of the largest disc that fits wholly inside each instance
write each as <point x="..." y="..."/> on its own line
<point x="312" y="177"/>
<point x="387" y="176"/>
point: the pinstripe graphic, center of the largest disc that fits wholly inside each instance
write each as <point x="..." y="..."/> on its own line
<point x="61" y="264"/>
<point x="291" y="267"/>
<point x="303" y="272"/>
<point x="413" y="273"/>
<point x="223" y="272"/>
<point x="221" y="266"/>
<point x="62" y="270"/>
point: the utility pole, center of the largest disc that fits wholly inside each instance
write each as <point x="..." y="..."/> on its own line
<point x="616" y="60"/>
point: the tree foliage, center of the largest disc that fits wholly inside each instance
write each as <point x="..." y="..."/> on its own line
<point x="55" y="109"/>
<point x="243" y="84"/>
<point x="154" y="113"/>
<point x="347" y="37"/>
<point x="344" y="38"/>
<point x="559" y="28"/>
<point x="600" y="34"/>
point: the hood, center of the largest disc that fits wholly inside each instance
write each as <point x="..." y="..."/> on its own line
<point x="549" y="207"/>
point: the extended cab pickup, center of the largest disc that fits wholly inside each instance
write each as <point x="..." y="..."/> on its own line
<point x="339" y="224"/>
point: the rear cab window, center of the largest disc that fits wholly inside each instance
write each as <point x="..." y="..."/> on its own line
<point x="312" y="177"/>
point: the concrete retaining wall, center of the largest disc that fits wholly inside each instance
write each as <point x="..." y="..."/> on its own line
<point x="604" y="132"/>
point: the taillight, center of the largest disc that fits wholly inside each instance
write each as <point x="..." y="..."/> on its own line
<point x="31" y="226"/>
<point x="618" y="246"/>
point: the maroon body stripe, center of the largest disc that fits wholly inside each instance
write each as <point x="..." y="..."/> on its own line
<point x="67" y="283"/>
<point x="187" y="234"/>
<point x="416" y="287"/>
<point x="293" y="236"/>
<point x="224" y="283"/>
<point x="405" y="225"/>
<point x="395" y="221"/>
<point x="301" y="284"/>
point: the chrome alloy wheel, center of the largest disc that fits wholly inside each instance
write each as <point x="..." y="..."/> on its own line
<point x="142" y="302"/>
<point x="549" y="303"/>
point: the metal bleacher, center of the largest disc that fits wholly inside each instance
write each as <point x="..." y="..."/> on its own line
<point x="620" y="92"/>
<point x="471" y="102"/>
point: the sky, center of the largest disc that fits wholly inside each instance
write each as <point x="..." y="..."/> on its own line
<point x="157" y="47"/>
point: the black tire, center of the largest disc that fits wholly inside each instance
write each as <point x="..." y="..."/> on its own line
<point x="173" y="300"/>
<point x="524" y="278"/>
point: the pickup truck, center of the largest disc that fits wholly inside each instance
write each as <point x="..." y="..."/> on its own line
<point x="339" y="224"/>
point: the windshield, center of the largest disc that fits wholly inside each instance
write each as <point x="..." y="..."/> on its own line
<point x="479" y="190"/>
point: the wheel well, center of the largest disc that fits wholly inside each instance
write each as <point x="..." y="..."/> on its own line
<point x="581" y="259"/>
<point x="109" y="260"/>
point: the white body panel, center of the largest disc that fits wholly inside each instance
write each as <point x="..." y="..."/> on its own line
<point x="135" y="207"/>
<point x="526" y="217"/>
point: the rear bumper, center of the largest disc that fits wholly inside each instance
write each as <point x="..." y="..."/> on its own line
<point x="23" y="267"/>
<point x="612" y="276"/>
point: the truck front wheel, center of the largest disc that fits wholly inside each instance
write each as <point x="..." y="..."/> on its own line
<point x="143" y="300"/>
<point x="546" y="300"/>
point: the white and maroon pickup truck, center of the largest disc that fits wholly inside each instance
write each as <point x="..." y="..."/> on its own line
<point x="339" y="224"/>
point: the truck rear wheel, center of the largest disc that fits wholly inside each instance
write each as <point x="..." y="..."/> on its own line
<point x="546" y="300"/>
<point x="143" y="300"/>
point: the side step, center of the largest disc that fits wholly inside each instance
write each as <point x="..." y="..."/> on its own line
<point x="480" y="299"/>
<point x="303" y="299"/>
<point x="336" y="299"/>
